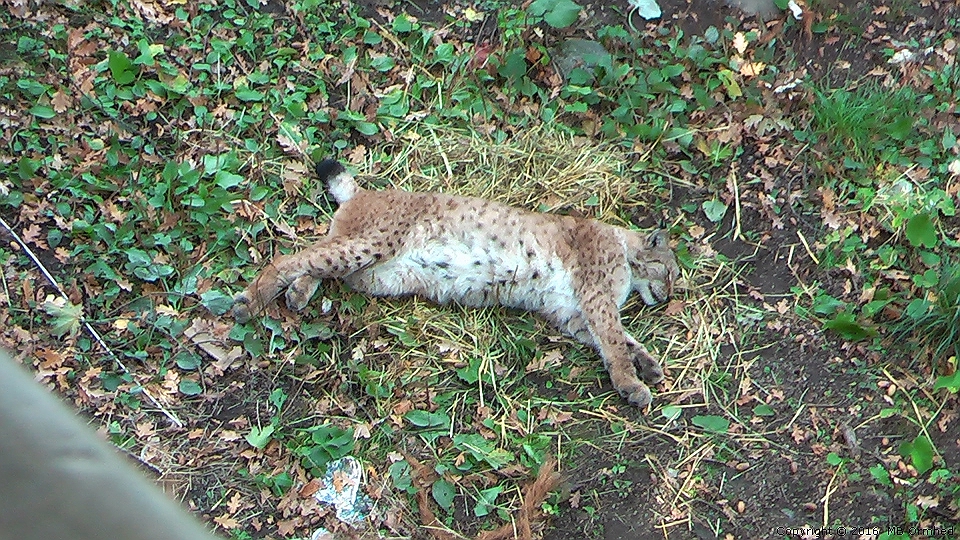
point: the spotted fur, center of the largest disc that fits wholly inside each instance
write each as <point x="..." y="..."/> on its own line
<point x="574" y="272"/>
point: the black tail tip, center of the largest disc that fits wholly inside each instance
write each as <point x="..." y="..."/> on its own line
<point x="329" y="168"/>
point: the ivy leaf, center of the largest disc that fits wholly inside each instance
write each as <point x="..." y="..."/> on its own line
<point x="671" y="412"/>
<point x="426" y="419"/>
<point x="648" y="9"/>
<point x="217" y="302"/>
<point x="921" y="232"/>
<point x="248" y="94"/>
<point x="487" y="500"/>
<point x="42" y="111"/>
<point x="763" y="410"/>
<point x="227" y="180"/>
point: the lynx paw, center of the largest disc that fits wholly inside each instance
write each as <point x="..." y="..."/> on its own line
<point x="241" y="310"/>
<point x="647" y="366"/>
<point x="301" y="291"/>
<point x="637" y="394"/>
<point x="653" y="291"/>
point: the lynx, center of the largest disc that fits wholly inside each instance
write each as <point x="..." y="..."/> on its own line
<point x="574" y="272"/>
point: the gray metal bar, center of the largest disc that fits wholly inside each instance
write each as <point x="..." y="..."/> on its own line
<point x="59" y="481"/>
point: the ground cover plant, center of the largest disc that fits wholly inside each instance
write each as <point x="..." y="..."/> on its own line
<point x="155" y="154"/>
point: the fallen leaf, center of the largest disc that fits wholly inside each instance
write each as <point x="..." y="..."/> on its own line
<point x="740" y="42"/>
<point x="226" y="521"/>
<point x="61" y="101"/>
<point x="752" y="69"/>
<point x="472" y="15"/>
<point x="674" y="307"/>
<point x="201" y="334"/>
<point x="310" y="488"/>
<point x="549" y="358"/>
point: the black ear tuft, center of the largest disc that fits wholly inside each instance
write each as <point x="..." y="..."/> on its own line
<point x="328" y="168"/>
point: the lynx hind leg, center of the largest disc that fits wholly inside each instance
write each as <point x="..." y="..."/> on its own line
<point x="646" y="364"/>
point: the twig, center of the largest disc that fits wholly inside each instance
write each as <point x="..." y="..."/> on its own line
<point x="93" y="332"/>
<point x="732" y="177"/>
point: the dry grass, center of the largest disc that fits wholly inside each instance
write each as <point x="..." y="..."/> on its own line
<point x="538" y="169"/>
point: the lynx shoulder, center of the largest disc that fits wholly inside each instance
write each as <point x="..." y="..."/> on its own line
<point x="574" y="272"/>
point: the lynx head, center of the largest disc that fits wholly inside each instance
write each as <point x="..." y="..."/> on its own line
<point x="653" y="265"/>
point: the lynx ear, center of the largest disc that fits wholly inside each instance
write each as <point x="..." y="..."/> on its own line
<point x="659" y="238"/>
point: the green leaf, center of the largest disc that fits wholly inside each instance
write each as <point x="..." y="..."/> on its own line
<point x="716" y="424"/>
<point x="901" y="127"/>
<point x="563" y="14"/>
<point x="188" y="361"/>
<point x="366" y="128"/>
<point x="121" y="68"/>
<point x="834" y="460"/>
<point x="729" y="80"/>
<point x="917" y="308"/>
<point x="487" y="500"/>
<point x="671" y="412"/>
<point x="425" y="419"/>
<point x="248" y="94"/>
<point x="949" y="140"/>
<point x="711" y="34"/>
<point x="920" y="452"/>
<point x="402" y="24"/>
<point x="148" y="52"/>
<point x="190" y="388"/>
<point x="714" y="209"/>
<point x="227" y="180"/>
<point x="824" y="304"/>
<point x="260" y="437"/>
<point x="216" y="302"/>
<point x="277" y="398"/>
<point x="921" y="231"/>
<point x="763" y="410"/>
<point x="952" y="382"/>
<point x="443" y="492"/>
<point x="42" y="111"/>
<point x="849" y="329"/>
<point x="179" y="84"/>
<point x="880" y="474"/>
<point x="514" y="65"/>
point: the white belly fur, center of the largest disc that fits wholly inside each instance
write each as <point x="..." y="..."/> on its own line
<point x="447" y="269"/>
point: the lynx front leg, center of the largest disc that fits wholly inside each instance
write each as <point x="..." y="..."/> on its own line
<point x="576" y="327"/>
<point x="331" y="257"/>
<point x="599" y="326"/>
